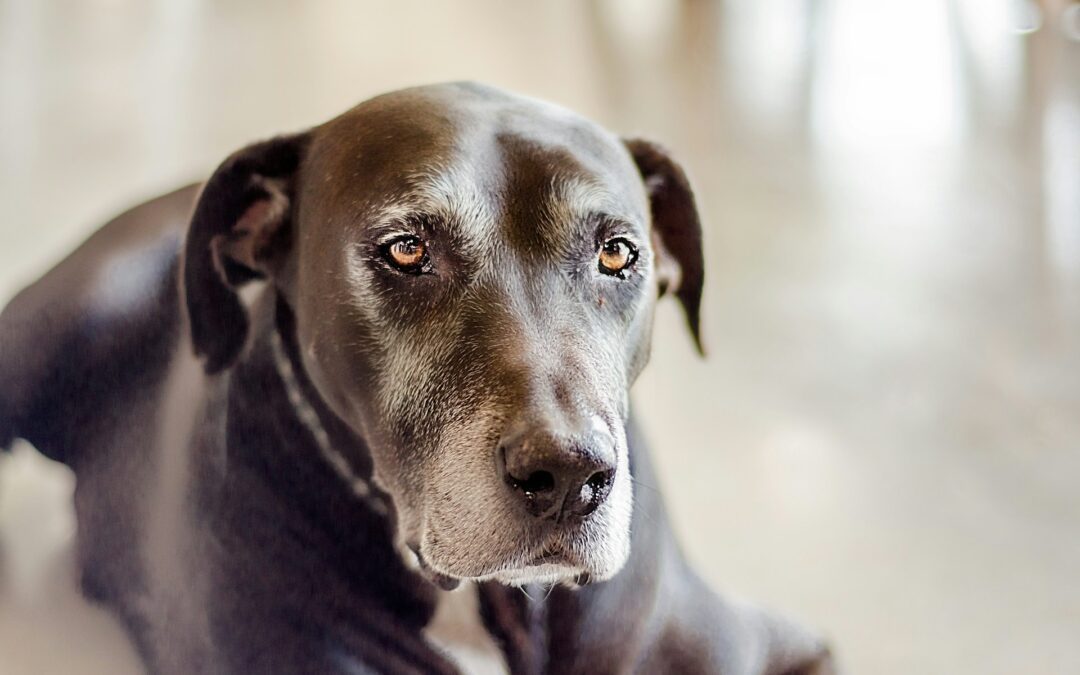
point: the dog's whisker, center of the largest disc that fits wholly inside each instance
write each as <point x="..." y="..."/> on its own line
<point x="551" y="587"/>
<point x="637" y="482"/>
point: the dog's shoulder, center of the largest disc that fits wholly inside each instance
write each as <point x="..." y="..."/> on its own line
<point x="92" y="327"/>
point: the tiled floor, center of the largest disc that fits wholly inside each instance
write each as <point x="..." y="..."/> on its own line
<point x="885" y="438"/>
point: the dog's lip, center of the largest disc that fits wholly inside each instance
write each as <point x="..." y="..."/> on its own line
<point x="550" y="556"/>
<point x="443" y="581"/>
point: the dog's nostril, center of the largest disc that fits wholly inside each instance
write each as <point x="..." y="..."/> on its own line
<point x="538" y="490"/>
<point x="537" y="482"/>
<point x="599" y="481"/>
<point x="594" y="491"/>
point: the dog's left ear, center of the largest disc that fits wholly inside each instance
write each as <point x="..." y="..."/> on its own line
<point x="240" y="231"/>
<point x="676" y="229"/>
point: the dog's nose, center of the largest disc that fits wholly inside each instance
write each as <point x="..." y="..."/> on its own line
<point x="559" y="475"/>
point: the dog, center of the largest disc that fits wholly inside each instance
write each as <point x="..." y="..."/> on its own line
<point x="368" y="363"/>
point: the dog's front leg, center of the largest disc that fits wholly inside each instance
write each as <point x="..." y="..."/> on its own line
<point x="701" y="632"/>
<point x="658" y="616"/>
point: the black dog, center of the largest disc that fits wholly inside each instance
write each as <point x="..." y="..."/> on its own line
<point x="428" y="386"/>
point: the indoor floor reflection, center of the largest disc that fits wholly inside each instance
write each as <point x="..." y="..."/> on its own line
<point x="885" y="436"/>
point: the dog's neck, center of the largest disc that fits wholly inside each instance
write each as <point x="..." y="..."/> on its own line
<point x="293" y="467"/>
<point x="354" y="468"/>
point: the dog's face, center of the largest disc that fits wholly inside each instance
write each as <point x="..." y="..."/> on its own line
<point x="473" y="276"/>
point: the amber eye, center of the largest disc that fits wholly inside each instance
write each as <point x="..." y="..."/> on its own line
<point x="616" y="255"/>
<point x="407" y="253"/>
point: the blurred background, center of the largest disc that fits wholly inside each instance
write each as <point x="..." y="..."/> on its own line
<point x="885" y="438"/>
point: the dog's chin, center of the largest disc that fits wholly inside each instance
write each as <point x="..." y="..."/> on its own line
<point x="548" y="568"/>
<point x="546" y="574"/>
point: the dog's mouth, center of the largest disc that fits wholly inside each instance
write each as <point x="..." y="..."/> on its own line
<point x="443" y="581"/>
<point x="549" y="565"/>
<point x="550" y="556"/>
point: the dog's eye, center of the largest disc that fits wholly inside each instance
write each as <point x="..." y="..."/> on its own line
<point x="406" y="253"/>
<point x="616" y="255"/>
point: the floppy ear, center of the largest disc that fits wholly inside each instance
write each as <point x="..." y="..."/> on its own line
<point x="676" y="229"/>
<point x="240" y="230"/>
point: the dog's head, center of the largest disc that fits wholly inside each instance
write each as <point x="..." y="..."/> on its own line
<point x="473" y="277"/>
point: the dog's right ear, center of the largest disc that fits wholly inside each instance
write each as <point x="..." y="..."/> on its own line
<point x="240" y="230"/>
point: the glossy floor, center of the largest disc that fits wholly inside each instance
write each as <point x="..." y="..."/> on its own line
<point x="885" y="438"/>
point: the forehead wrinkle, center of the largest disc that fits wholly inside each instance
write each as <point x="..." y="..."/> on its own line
<point x="549" y="214"/>
<point x="454" y="195"/>
<point x="575" y="199"/>
<point x="453" y="189"/>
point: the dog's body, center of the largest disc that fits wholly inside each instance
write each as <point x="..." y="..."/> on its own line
<point x="241" y="510"/>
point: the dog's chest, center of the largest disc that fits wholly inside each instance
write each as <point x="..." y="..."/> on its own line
<point x="458" y="630"/>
